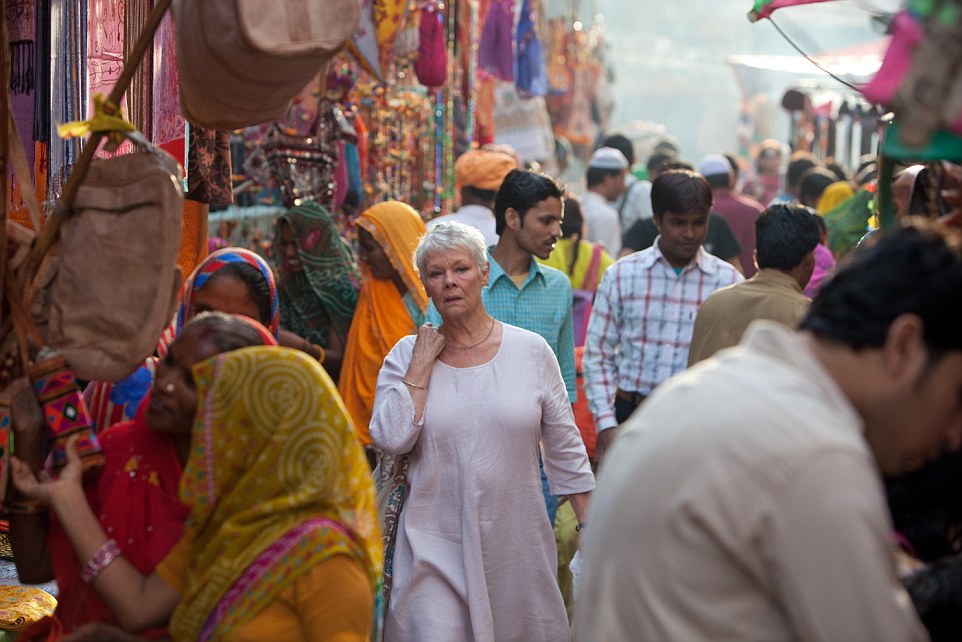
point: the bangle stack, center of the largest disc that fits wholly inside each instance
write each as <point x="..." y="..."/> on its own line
<point x="413" y="385"/>
<point x="27" y="507"/>
<point x="101" y="560"/>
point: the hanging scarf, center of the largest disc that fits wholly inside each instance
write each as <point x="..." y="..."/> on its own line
<point x="324" y="295"/>
<point x="381" y="318"/>
<point x="276" y="483"/>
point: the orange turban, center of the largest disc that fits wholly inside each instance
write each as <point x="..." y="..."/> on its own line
<point x="482" y="169"/>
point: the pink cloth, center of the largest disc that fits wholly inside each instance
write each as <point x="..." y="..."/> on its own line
<point x="824" y="264"/>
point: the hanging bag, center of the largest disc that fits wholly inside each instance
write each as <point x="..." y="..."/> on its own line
<point x="242" y="61"/>
<point x="117" y="279"/>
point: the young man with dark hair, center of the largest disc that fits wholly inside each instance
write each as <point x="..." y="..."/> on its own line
<point x="645" y="307"/>
<point x="744" y="500"/>
<point x="787" y="236"/>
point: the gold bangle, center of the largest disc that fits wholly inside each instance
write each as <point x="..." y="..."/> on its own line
<point x="413" y="385"/>
<point x="27" y="506"/>
<point x="320" y="352"/>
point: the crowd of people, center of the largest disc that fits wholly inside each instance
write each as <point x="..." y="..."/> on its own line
<point x="395" y="437"/>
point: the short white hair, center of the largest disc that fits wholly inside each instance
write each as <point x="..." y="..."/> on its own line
<point x="449" y="236"/>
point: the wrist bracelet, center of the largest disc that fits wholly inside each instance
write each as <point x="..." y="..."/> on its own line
<point x="320" y="352"/>
<point x="413" y="385"/>
<point x="581" y="526"/>
<point x="101" y="560"/>
<point x="27" y="506"/>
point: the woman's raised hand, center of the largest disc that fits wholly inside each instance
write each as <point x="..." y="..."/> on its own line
<point x="427" y="346"/>
<point x="44" y="488"/>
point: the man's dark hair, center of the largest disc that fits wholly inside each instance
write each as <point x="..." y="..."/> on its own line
<point x="719" y="181"/>
<point x="623" y="144"/>
<point x="801" y="162"/>
<point x="596" y="175"/>
<point x="656" y="160"/>
<point x="911" y="270"/>
<point x="784" y="235"/>
<point x="257" y="286"/>
<point x="813" y="183"/>
<point x="521" y="190"/>
<point x="485" y="195"/>
<point x="678" y="191"/>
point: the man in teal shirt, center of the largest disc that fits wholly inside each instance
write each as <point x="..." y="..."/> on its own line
<point x="528" y="209"/>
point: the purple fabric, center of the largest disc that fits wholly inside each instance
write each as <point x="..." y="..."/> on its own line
<point x="532" y="73"/>
<point x="824" y="264"/>
<point x="496" y="51"/>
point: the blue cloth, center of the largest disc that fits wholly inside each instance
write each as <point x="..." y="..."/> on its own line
<point x="531" y="72"/>
<point x="542" y="305"/>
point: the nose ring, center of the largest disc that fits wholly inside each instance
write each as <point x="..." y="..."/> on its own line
<point x="169" y="388"/>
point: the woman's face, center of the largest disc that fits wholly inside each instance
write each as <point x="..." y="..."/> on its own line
<point x="454" y="281"/>
<point x="224" y="293"/>
<point x="173" y="399"/>
<point x="373" y="254"/>
<point x="292" y="260"/>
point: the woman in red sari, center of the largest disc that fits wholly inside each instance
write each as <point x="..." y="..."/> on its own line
<point x="136" y="496"/>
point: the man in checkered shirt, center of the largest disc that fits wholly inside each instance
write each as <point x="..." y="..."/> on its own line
<point x="644" y="311"/>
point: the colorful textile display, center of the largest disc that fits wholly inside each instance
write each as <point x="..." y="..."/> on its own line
<point x="920" y="77"/>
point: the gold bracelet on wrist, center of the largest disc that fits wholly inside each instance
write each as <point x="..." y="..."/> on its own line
<point x="413" y="385"/>
<point x="320" y="352"/>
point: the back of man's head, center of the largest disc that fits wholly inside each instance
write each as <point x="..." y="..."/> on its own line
<point x="520" y="190"/>
<point x="623" y="144"/>
<point x="801" y="162"/>
<point x="479" y="173"/>
<point x="655" y="163"/>
<point x="784" y="235"/>
<point x="912" y="270"/>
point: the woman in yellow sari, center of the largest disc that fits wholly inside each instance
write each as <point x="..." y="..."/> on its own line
<point x="281" y="542"/>
<point x="391" y="303"/>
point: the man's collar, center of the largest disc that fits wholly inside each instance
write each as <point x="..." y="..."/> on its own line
<point x="495" y="271"/>
<point x="777" y="276"/>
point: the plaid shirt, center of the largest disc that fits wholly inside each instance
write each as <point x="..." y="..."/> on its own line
<point x="542" y="305"/>
<point x="641" y="324"/>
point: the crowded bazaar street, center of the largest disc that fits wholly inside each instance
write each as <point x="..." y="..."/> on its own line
<point x="481" y="320"/>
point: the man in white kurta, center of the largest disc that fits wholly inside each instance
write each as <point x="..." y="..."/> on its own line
<point x="475" y="557"/>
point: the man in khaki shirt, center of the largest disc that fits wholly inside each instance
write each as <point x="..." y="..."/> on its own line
<point x="786" y="236"/>
<point x="743" y="500"/>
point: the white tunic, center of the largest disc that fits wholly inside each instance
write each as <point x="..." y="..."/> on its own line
<point x="475" y="556"/>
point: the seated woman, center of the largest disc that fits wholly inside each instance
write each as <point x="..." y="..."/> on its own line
<point x="135" y="496"/>
<point x="281" y="540"/>
<point x="391" y="304"/>
<point x="474" y="555"/>
<point x="231" y="280"/>
<point x="318" y="281"/>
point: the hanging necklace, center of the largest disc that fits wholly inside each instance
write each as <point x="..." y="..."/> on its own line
<point x="486" y="337"/>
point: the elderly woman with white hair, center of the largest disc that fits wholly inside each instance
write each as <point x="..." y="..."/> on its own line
<point x="470" y="401"/>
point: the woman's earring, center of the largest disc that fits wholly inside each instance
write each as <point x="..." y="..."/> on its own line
<point x="169" y="388"/>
